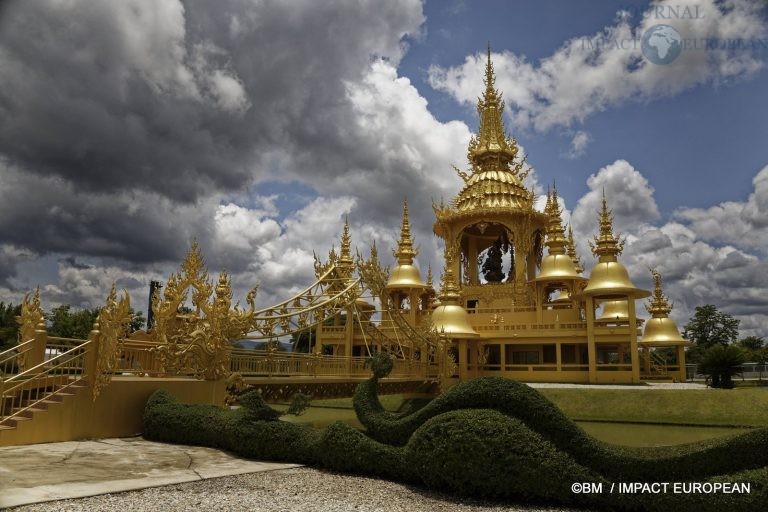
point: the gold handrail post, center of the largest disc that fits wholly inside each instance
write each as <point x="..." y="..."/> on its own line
<point x="91" y="356"/>
<point x="37" y="353"/>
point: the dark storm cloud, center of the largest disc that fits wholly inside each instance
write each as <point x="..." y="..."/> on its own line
<point x="123" y="122"/>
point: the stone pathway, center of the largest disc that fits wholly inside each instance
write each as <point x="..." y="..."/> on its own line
<point x="55" y="471"/>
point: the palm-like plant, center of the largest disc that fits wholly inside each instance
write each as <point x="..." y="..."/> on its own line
<point x="720" y="363"/>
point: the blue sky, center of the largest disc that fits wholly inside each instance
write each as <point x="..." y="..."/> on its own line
<point x="697" y="148"/>
<point x="129" y="127"/>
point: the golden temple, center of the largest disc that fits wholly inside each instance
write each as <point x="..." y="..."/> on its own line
<point x="504" y="307"/>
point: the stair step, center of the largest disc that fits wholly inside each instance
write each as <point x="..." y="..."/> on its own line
<point x="6" y="427"/>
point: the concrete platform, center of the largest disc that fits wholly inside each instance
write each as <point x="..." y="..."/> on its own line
<point x="75" y="469"/>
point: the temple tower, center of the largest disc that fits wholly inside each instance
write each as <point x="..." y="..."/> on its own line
<point x="609" y="280"/>
<point x="491" y="230"/>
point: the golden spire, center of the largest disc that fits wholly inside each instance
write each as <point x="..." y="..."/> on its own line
<point x="374" y="252"/>
<point x="430" y="284"/>
<point x="346" y="263"/>
<point x="606" y="246"/>
<point x="405" y="251"/>
<point x="658" y="305"/>
<point x="555" y="234"/>
<point x="491" y="142"/>
<point x="449" y="289"/>
<point x="571" y="251"/>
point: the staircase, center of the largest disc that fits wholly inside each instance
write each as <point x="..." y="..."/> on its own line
<point x="659" y="371"/>
<point x="28" y="391"/>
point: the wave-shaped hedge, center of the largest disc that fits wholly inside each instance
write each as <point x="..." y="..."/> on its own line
<point x="488" y="437"/>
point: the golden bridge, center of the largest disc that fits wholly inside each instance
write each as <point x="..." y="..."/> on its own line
<point x="56" y="388"/>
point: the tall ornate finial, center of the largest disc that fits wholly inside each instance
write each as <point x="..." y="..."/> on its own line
<point x="405" y="251"/>
<point x="491" y="147"/>
<point x="555" y="234"/>
<point x="346" y="263"/>
<point x="449" y="289"/>
<point x="430" y="284"/>
<point x="606" y="246"/>
<point x="571" y="251"/>
<point x="374" y="252"/>
<point x="658" y="305"/>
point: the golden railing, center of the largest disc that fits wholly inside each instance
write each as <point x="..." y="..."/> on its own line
<point x="20" y="393"/>
<point x="10" y="360"/>
<point x="265" y="363"/>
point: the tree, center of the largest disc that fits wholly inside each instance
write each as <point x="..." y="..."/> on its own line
<point x="709" y="327"/>
<point x="720" y="363"/>
<point x="137" y="320"/>
<point x="752" y="342"/>
<point x="9" y="327"/>
<point x="65" y="323"/>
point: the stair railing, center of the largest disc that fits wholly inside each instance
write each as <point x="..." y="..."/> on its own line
<point x="23" y="391"/>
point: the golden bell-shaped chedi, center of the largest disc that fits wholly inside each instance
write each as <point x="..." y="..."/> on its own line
<point x="660" y="330"/>
<point x="557" y="268"/>
<point x="614" y="311"/>
<point x="557" y="265"/>
<point x="609" y="278"/>
<point x="450" y="317"/>
<point x="405" y="275"/>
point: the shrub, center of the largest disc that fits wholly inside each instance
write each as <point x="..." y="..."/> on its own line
<point x="484" y="453"/>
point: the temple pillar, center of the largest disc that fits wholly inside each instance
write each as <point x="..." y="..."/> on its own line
<point x="349" y="333"/>
<point x="463" y="375"/>
<point x="591" y="349"/>
<point x="633" y="340"/>
<point x="681" y="363"/>
<point x="472" y="254"/>
<point x="559" y="356"/>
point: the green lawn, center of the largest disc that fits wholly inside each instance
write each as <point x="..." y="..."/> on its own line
<point x="745" y="406"/>
<point x="734" y="407"/>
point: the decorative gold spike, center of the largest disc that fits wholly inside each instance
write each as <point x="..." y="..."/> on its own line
<point x="405" y="251"/>
<point x="491" y="145"/>
<point x="429" y="276"/>
<point x="555" y="234"/>
<point x="606" y="246"/>
<point x="571" y="251"/>
<point x="345" y="262"/>
<point x="658" y="305"/>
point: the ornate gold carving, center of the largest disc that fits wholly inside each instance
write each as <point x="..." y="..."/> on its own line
<point x="31" y="319"/>
<point x="110" y="328"/>
<point x="198" y="342"/>
<point x="606" y="245"/>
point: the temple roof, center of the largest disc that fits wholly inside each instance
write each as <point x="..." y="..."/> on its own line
<point x="495" y="178"/>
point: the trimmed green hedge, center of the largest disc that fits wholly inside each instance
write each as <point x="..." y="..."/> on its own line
<point x="489" y="437"/>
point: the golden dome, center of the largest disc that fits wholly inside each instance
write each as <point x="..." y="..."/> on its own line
<point x="495" y="188"/>
<point x="450" y="317"/>
<point x="615" y="310"/>
<point x="610" y="278"/>
<point x="557" y="266"/>
<point x="495" y="179"/>
<point x="405" y="276"/>
<point x="662" y="331"/>
<point x="453" y="320"/>
<point x="563" y="296"/>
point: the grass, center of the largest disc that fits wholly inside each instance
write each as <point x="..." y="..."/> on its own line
<point x="743" y="406"/>
<point x="746" y="406"/>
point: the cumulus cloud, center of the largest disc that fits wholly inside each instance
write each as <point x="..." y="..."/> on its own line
<point x="579" y="143"/>
<point x="588" y="74"/>
<point x="743" y="224"/>
<point x="695" y="270"/>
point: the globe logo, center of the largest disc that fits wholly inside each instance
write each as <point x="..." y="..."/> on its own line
<point x="661" y="44"/>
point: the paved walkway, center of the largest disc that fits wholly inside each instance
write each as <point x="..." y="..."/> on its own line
<point x="644" y="387"/>
<point x="54" y="471"/>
